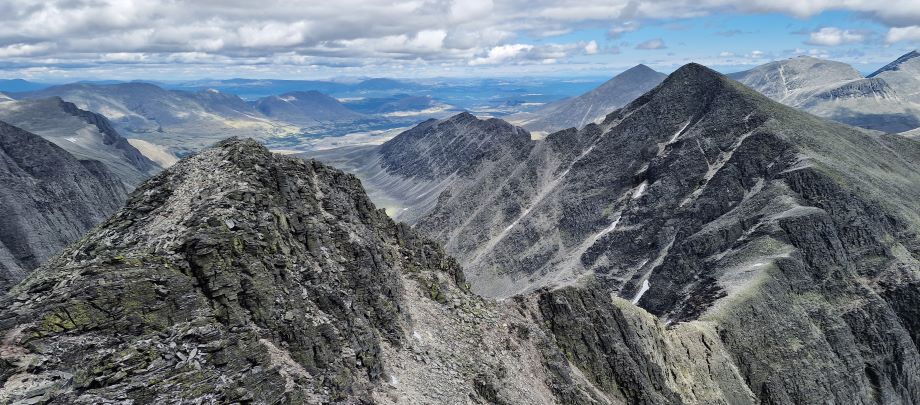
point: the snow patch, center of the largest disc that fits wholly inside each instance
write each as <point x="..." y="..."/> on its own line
<point x="640" y="190"/>
<point x="642" y="290"/>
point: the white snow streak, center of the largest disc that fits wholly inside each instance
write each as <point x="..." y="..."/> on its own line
<point x="640" y="190"/>
<point x="642" y="290"/>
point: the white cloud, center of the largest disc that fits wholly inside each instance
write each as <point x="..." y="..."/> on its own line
<point x="621" y="28"/>
<point x="911" y="33"/>
<point x="15" y="50"/>
<point x="591" y="48"/>
<point x="656" y="43"/>
<point x="833" y="36"/>
<point x="502" y="53"/>
<point x="465" y="10"/>
<point x="55" y="33"/>
<point x="726" y="54"/>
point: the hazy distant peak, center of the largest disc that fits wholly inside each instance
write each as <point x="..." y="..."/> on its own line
<point x="896" y="64"/>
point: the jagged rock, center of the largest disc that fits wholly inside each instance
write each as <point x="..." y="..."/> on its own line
<point x="311" y="295"/>
<point x="788" y="239"/>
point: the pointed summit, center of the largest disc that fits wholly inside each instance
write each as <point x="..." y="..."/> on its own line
<point x="592" y="106"/>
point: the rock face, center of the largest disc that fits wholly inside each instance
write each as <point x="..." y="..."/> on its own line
<point x="86" y="135"/>
<point x="592" y="106"/>
<point x="904" y="75"/>
<point x="238" y="276"/>
<point x="48" y="200"/>
<point x="407" y="174"/>
<point x="306" y="108"/>
<point x="788" y="239"/>
<point x="837" y="91"/>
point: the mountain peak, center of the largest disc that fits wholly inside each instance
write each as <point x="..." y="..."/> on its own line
<point x="433" y="150"/>
<point x="896" y="64"/>
<point x="693" y="77"/>
<point x="639" y="68"/>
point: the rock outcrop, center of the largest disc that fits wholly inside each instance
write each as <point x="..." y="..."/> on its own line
<point x="238" y="276"/>
<point x="49" y="199"/>
<point x="790" y="238"/>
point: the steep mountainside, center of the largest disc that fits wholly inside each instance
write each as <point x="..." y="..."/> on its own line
<point x="181" y="121"/>
<point x="592" y="106"/>
<point x="791" y="238"/>
<point x="837" y="91"/>
<point x="238" y="276"/>
<point x="306" y="108"/>
<point x="86" y="135"/>
<point x="904" y="75"/>
<point x="406" y="175"/>
<point x="48" y="200"/>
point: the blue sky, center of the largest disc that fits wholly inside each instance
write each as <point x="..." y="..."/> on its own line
<point x="64" y="40"/>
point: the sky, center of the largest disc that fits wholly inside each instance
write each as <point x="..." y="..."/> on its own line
<point x="66" y="40"/>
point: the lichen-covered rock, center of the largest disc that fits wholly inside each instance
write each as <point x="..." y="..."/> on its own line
<point x="238" y="276"/>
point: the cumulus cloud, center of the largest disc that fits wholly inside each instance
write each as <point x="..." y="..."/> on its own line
<point x="591" y="48"/>
<point x="368" y="32"/>
<point x="621" y="28"/>
<point x="656" y="43"/>
<point x="502" y="53"/>
<point x="911" y="33"/>
<point x="833" y="36"/>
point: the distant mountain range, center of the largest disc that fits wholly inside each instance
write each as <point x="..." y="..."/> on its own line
<point x="591" y="106"/>
<point x="307" y="108"/>
<point x="181" y="121"/>
<point x="176" y="122"/>
<point x="885" y="100"/>
<point x="19" y="85"/>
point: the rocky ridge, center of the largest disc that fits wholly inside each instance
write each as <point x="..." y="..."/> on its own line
<point x="708" y="204"/>
<point x="280" y="282"/>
